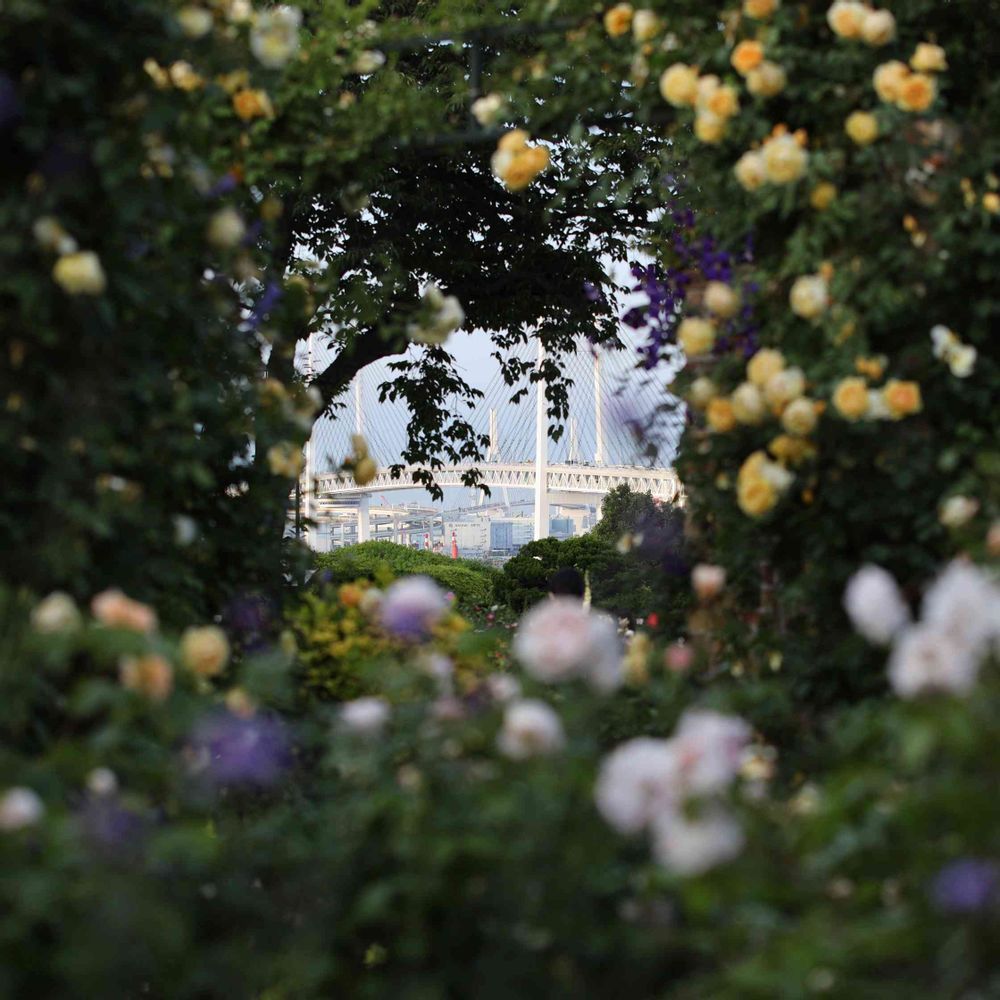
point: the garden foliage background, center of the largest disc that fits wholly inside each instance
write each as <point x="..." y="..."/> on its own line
<point x="243" y="780"/>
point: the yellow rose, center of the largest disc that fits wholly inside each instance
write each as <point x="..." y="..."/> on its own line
<point x="785" y="161"/>
<point x="285" y="459"/>
<point x="703" y="390"/>
<point x="748" y="404"/>
<point x="760" y="9"/>
<point x="991" y="202"/>
<point x="823" y="196"/>
<point x="901" y="398"/>
<point x="764" y="365"/>
<point x="929" y="58"/>
<point x="783" y="387"/>
<point x="723" y="101"/>
<point x="204" y="650"/>
<point x="799" y="417"/>
<point x="618" y="19"/>
<point x="250" y="104"/>
<point x="679" y="85"/>
<point x="150" y="675"/>
<point x="767" y="80"/>
<point x="810" y="296"/>
<point x="645" y="25"/>
<point x="846" y="18"/>
<point x="183" y="76"/>
<point x="513" y="141"/>
<point x="791" y="450"/>
<point x="916" y="92"/>
<point x="721" y="300"/>
<point x="850" y="398"/>
<point x="116" y="610"/>
<point x="888" y="80"/>
<point x="878" y="27"/>
<point x="756" y="496"/>
<point x="80" y="273"/>
<point x="862" y="127"/>
<point x="696" y="336"/>
<point x="365" y="471"/>
<point x="873" y="368"/>
<point x="748" y="55"/>
<point x="720" y="416"/>
<point x="751" y="170"/>
<point x="709" y="128"/>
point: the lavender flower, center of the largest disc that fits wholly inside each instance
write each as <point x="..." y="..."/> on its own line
<point x="251" y="751"/>
<point x="412" y="607"/>
<point x="966" y="886"/>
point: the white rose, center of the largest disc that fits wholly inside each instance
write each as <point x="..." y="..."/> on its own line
<point x="693" y="846"/>
<point x="560" y="639"/>
<point x="957" y="510"/>
<point x="874" y="604"/>
<point x="708" y="581"/>
<point x="530" y="729"/>
<point x="964" y="605"/>
<point x="56" y="613"/>
<point x="962" y="360"/>
<point x="365" y="716"/>
<point x="926" y="659"/>
<point x="709" y="748"/>
<point x="637" y="782"/>
<point x="19" y="808"/>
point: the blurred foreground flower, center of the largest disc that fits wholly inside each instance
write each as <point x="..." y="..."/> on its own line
<point x="411" y="607"/>
<point x="365" y="716"/>
<point x="205" y="650"/>
<point x="651" y="784"/>
<point x="275" y="35"/>
<point x="530" y="728"/>
<point x="80" y="273"/>
<point x="19" y="808"/>
<point x="561" y="639"/>
<point x="233" y="750"/>
<point x="967" y="886"/>
<point x="116" y="610"/>
<point x="56" y="613"/>
<point x="874" y="605"/>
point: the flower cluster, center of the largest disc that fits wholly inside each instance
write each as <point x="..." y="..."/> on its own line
<point x="852" y="19"/>
<point x="360" y="463"/>
<point x="673" y="789"/>
<point x="783" y="159"/>
<point x="516" y="163"/>
<point x="714" y="102"/>
<point x="960" y="358"/>
<point x="943" y="652"/>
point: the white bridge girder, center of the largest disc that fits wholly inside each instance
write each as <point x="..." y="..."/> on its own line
<point x="595" y="481"/>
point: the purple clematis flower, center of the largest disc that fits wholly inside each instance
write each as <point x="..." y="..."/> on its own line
<point x="233" y="750"/>
<point x="966" y="886"/>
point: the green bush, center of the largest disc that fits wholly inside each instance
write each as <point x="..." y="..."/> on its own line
<point x="471" y="582"/>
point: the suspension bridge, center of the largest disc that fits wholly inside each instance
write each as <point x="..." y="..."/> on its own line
<point x="614" y="411"/>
